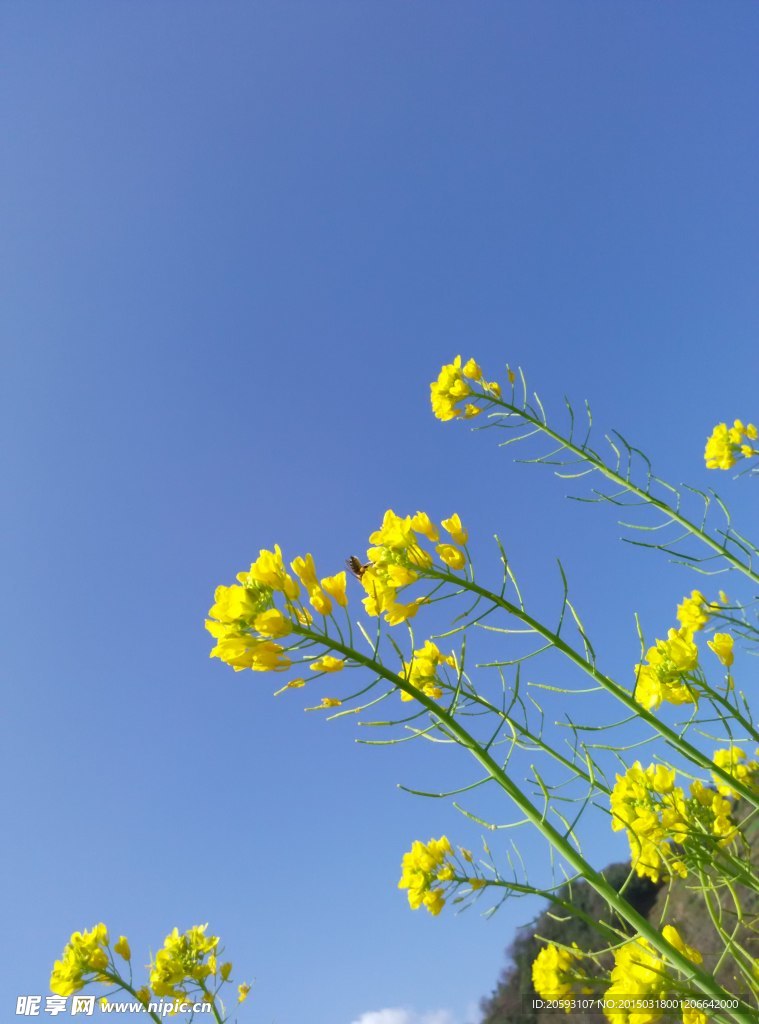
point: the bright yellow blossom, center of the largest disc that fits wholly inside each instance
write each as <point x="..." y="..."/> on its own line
<point x="183" y="958"/>
<point x="421" y="523"/>
<point x="692" y="613"/>
<point x="272" y="623"/>
<point x="269" y="570"/>
<point x="335" y="587"/>
<point x="734" y="761"/>
<point x="726" y="444"/>
<point x="243" y="991"/>
<point x="122" y="948"/>
<point x="328" y="663"/>
<point x="449" y="390"/>
<point x="330" y="702"/>
<point x="722" y="645"/>
<point x="422" y="670"/>
<point x="455" y="529"/>
<point x="84" y="954"/>
<point x="305" y="570"/>
<point x="668" y="661"/>
<point x="422" y="867"/>
<point x="553" y="971"/>
<point x="451" y="555"/>
<point x="246" y="651"/>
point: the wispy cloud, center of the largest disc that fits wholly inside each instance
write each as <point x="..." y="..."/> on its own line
<point x="400" y="1015"/>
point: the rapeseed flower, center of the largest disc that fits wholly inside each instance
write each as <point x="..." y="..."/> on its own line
<point x="422" y="867"/>
<point x="85" y="954"/>
<point x="554" y="975"/>
<point x="454" y="386"/>
<point x="725" y="445"/>
<point x="722" y="645"/>
<point x="662" y="679"/>
<point x="733" y="760"/>
<point x="422" y="670"/>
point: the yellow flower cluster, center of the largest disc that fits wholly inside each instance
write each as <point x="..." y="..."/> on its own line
<point x="185" y="961"/>
<point x="639" y="976"/>
<point x="454" y="385"/>
<point x="648" y="805"/>
<point x="246" y="623"/>
<point x="85" y="954"/>
<point x="694" y="612"/>
<point x="421" y="671"/>
<point x="656" y="813"/>
<point x="663" y="677"/>
<point x="424" y="865"/>
<point x="733" y="761"/>
<point x="397" y="558"/>
<point x="186" y="958"/>
<point x="725" y="445"/>
<point x="554" y="974"/>
<point x="237" y="610"/>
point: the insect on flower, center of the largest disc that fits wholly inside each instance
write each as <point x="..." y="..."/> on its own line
<point x="356" y="567"/>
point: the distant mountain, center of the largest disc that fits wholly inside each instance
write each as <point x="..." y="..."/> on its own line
<point x="679" y="904"/>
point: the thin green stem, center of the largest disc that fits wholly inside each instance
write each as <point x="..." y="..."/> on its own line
<point x="622" y="695"/>
<point x="562" y="846"/>
<point x="627" y="485"/>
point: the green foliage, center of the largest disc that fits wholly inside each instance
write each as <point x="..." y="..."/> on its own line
<point x="510" y="1002"/>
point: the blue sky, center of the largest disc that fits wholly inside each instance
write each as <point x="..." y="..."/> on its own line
<point x="239" y="239"/>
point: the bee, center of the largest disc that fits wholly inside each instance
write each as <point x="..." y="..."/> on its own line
<point x="356" y="567"/>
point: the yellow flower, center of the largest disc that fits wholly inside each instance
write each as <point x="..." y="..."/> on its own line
<point x="305" y="570"/>
<point x="720" y="450"/>
<point x="232" y="604"/>
<point x="668" y="661"/>
<point x="422" y="523"/>
<point x="243" y="991"/>
<point x="182" y="958"/>
<point x="246" y="651"/>
<point x="692" y="613"/>
<point x="84" y="954"/>
<point x="652" y="810"/>
<point x="733" y="760"/>
<point x="472" y="370"/>
<point x="455" y="529"/>
<point x="422" y="866"/>
<point x="725" y="444"/>
<point x="122" y="948"/>
<point x="143" y="995"/>
<point x="330" y="702"/>
<point x="421" y="671"/>
<point x="320" y="601"/>
<point x="552" y="973"/>
<point x="451" y="555"/>
<point x="693" y="1016"/>
<point x="722" y="645"/>
<point x="672" y="936"/>
<point x="272" y="623"/>
<point x="335" y="587"/>
<point x="449" y="390"/>
<point x="225" y="970"/>
<point x="328" y="663"/>
<point x="269" y="570"/>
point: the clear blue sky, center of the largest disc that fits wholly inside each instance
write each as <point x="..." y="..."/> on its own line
<point x="238" y="241"/>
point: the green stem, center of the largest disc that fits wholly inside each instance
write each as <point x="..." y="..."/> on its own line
<point x="118" y="980"/>
<point x="622" y="695"/>
<point x="704" y="982"/>
<point x="626" y="484"/>
<point x="574" y="911"/>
